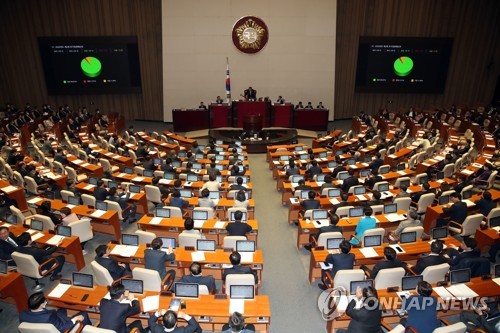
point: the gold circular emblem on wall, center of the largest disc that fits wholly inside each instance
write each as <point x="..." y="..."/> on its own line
<point x="250" y="34"/>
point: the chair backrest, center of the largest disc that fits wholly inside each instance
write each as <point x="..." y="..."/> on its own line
<point x="239" y="280"/>
<point x="436" y="273"/>
<point x="229" y="242"/>
<point x="210" y="211"/>
<point x="495" y="212"/>
<point x="374" y="232"/>
<point x="339" y="175"/>
<point x="26" y="265"/>
<point x="326" y="235"/>
<point x="203" y="290"/>
<point x="106" y="166"/>
<point x="37" y="328"/>
<point x="491" y="179"/>
<point x="113" y="205"/>
<point x="418" y="230"/>
<point x="145" y="236"/>
<point x="174" y="211"/>
<point x="58" y="165"/>
<point x="82" y="229"/>
<point x="47" y="222"/>
<point x="188" y="239"/>
<point x="150" y="277"/>
<point x="343" y="211"/>
<point x="101" y="274"/>
<point x="66" y="194"/>
<point x="378" y="209"/>
<point x="455" y="328"/>
<point x="471" y="224"/>
<point x="153" y="193"/>
<point x="93" y="329"/>
<point x="403" y="203"/>
<point x="399" y="180"/>
<point x="344" y="277"/>
<point x="424" y="201"/>
<point x="466" y="188"/>
<point x="71" y="173"/>
<point x="88" y="200"/>
<point x="31" y="185"/>
<point x="19" y="179"/>
<point x="389" y="277"/>
<point x="352" y="188"/>
<point x="16" y="211"/>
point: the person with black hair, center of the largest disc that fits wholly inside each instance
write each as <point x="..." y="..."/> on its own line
<point x="238" y="186"/>
<point x="485" y="204"/>
<point x="314" y="169"/>
<point x="237" y="325"/>
<point x="163" y="190"/>
<point x="114" y="311"/>
<point x="100" y="191"/>
<point x="421" y="309"/>
<point x="376" y="163"/>
<point x="212" y="184"/>
<point x="349" y="181"/>
<point x="46" y="210"/>
<point x="241" y="200"/>
<point x="364" y="311"/>
<point x="116" y="270"/>
<point x="292" y="170"/>
<point x="468" y="249"/>
<point x="402" y="193"/>
<point x="41" y="255"/>
<point x="238" y="169"/>
<point x="391" y="261"/>
<point x="328" y="183"/>
<point x="302" y="186"/>
<point x="177" y="201"/>
<point x="457" y="212"/>
<point x="376" y="199"/>
<point x="332" y="227"/>
<point x="434" y="258"/>
<point x="196" y="276"/>
<point x="170" y="321"/>
<point x="235" y="259"/>
<point x="344" y="197"/>
<point x="373" y="179"/>
<point x="8" y="244"/>
<point x="212" y="170"/>
<point x="204" y="199"/>
<point x="155" y="258"/>
<point x="38" y="314"/>
<point x="238" y="228"/>
<point x="339" y="259"/>
<point x="189" y="228"/>
<point x="311" y="202"/>
<point x="340" y="167"/>
<point x="128" y="210"/>
<point x="426" y="188"/>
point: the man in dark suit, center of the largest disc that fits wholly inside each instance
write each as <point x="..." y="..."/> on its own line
<point x="375" y="199"/>
<point x="302" y="186"/>
<point x="169" y="319"/>
<point x="100" y="192"/>
<point x="250" y="94"/>
<point x="334" y="219"/>
<point x="141" y="151"/>
<point x="344" y="197"/>
<point x="155" y="258"/>
<point x="433" y="259"/>
<point x="376" y="163"/>
<point x="374" y="178"/>
<point x="238" y="186"/>
<point x="468" y="249"/>
<point x="314" y="169"/>
<point x="8" y="244"/>
<point x="38" y="314"/>
<point x="114" y="313"/>
<point x="349" y="182"/>
<point x="59" y="156"/>
<point x="310" y="203"/>
<point x="391" y="261"/>
<point x="41" y="255"/>
<point x="117" y="270"/>
<point x="364" y="312"/>
<point x="457" y="212"/>
<point x="235" y="259"/>
<point x="339" y="260"/>
<point x="339" y="167"/>
<point x="485" y="204"/>
<point x="238" y="228"/>
<point x="237" y="325"/>
<point x="196" y="276"/>
<point x="426" y="188"/>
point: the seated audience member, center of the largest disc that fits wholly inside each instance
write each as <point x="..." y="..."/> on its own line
<point x="292" y="168"/>
<point x="177" y="201"/>
<point x="376" y="199"/>
<point x="328" y="183"/>
<point x="376" y="163"/>
<point x="340" y="260"/>
<point x="349" y="182"/>
<point x="402" y="193"/>
<point x="238" y="228"/>
<point x="412" y="221"/>
<point x="299" y="106"/>
<point x="114" y="311"/>
<point x="213" y="170"/>
<point x="202" y="106"/>
<point x="116" y="270"/>
<point x="237" y="325"/>
<point x="314" y="169"/>
<point x="100" y="191"/>
<point x="461" y="183"/>
<point x="204" y="200"/>
<point x="364" y="312"/>
<point x="426" y="188"/>
<point x="8" y="244"/>
<point x="169" y="319"/>
<point x="391" y="261"/>
<point x="421" y="309"/>
<point x="457" y="212"/>
<point x="310" y="203"/>
<point x="320" y="106"/>
<point x="334" y="219"/>
<point x="46" y="210"/>
<point x="238" y="169"/>
<point x="485" y="204"/>
<point x="241" y="200"/>
<point x="70" y="186"/>
<point x="163" y="190"/>
<point x="433" y="259"/>
<point x="235" y="259"/>
<point x="468" y="249"/>
<point x="344" y="197"/>
<point x="41" y="255"/>
<point x="155" y="258"/>
<point x="238" y="186"/>
<point x="212" y="185"/>
<point x="128" y="210"/>
<point x="196" y="276"/>
<point x="189" y="228"/>
<point x="302" y="186"/>
<point x="339" y="168"/>
<point x="309" y="106"/>
<point x="38" y="314"/>
<point x="364" y="224"/>
<point x="67" y="216"/>
<point x="373" y="179"/>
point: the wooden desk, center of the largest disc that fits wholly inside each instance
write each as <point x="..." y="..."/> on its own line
<point x="12" y="289"/>
<point x="257" y="311"/>
<point x="162" y="146"/>
<point x="190" y="120"/>
<point x="282" y="115"/>
<point x="88" y="168"/>
<point x="412" y="252"/>
<point x="327" y="139"/>
<point x="313" y="120"/>
<point x="183" y="141"/>
<point x="16" y="193"/>
<point x="486" y="237"/>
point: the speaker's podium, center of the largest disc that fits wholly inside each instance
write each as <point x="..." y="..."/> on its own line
<point x="220" y="115"/>
<point x="251" y="112"/>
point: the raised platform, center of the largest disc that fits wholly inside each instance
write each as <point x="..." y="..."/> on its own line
<point x="255" y="142"/>
<point x="204" y="132"/>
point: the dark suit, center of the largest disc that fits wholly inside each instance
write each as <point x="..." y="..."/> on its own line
<point x="42" y="255"/>
<point x="457" y="212"/>
<point x="314" y="170"/>
<point x="237" y="228"/>
<point x="348" y="183"/>
<point x="236" y="187"/>
<point x="422" y="318"/>
<point x="375" y="164"/>
<point x="457" y="256"/>
<point x="340" y="261"/>
<point x="192" y="327"/>
<point x="310" y="204"/>
<point x="208" y="281"/>
<point x="485" y="206"/>
<point x="7" y="248"/>
<point x="328" y="228"/>
<point x="372" y="181"/>
<point x="384" y="265"/>
<point x="363" y="320"/>
<point x="292" y="171"/>
<point x="337" y="170"/>
<point x="430" y="260"/>
<point x="112" y="266"/>
<point x="250" y="94"/>
<point x="114" y="314"/>
<point x="59" y="318"/>
<point x="100" y="193"/>
<point x="155" y="260"/>
<point x="239" y="269"/>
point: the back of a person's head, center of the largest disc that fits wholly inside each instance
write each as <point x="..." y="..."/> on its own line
<point x="156" y="180"/>
<point x="116" y="291"/>
<point x="376" y="194"/>
<point x="205" y="193"/>
<point x="35" y="300"/>
<point x="351" y="172"/>
<point x="424" y="288"/>
<point x="112" y="191"/>
<point x="188" y="223"/>
<point x="328" y="179"/>
<point x="169" y="319"/>
<point x="101" y="250"/>
<point x="238" y="215"/>
<point x="413" y="214"/>
<point x="334" y="219"/>
<point x="403" y="188"/>
<point x="389" y="253"/>
<point x="487" y="195"/>
<point x="471" y="243"/>
<point x="240" y="196"/>
<point x="176" y="193"/>
<point x="212" y="177"/>
<point x="100" y="182"/>
<point x="239" y="180"/>
<point x="46" y="205"/>
<point x="437" y="246"/>
<point x="344" y="197"/>
<point x="236" y="322"/>
<point x="156" y="243"/>
<point x="345" y="246"/>
<point x="235" y="258"/>
<point x="370" y="295"/>
<point x="426" y="186"/>
<point x="311" y="195"/>
<point x="456" y="195"/>
<point x="314" y="163"/>
<point x="368" y="211"/>
<point x="23" y="239"/>
<point x="302" y="182"/>
<point x="195" y="268"/>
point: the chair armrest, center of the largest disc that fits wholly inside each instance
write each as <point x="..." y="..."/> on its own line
<point x="51" y="259"/>
<point x="167" y="281"/>
<point x="354" y="236"/>
<point x="410" y="270"/>
<point x="444" y="321"/>
<point x="314" y="241"/>
<point x="391" y="235"/>
<point x="120" y="279"/>
<point x="328" y="280"/>
<point x="454" y="224"/>
<point x="478" y="330"/>
<point x="77" y="328"/>
<point x="385" y="325"/>
<point x="410" y="329"/>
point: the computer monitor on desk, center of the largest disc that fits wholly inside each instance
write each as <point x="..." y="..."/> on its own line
<point x="11" y="219"/>
<point x="200" y="215"/>
<point x="356" y="212"/>
<point x="359" y="190"/>
<point x="439" y="233"/>
<point x="186" y="193"/>
<point x="75" y="201"/>
<point x="333" y="243"/>
<point x="245" y="246"/>
<point x="167" y="242"/>
<point x="162" y="212"/>
<point x="460" y="276"/>
<point x="4" y="267"/>
<point x="444" y="199"/>
<point x="186" y="290"/>
<point x="319" y="214"/>
<point x="362" y="284"/>
<point x="134" y="286"/>
<point x="83" y="280"/>
<point x="242" y="292"/>
<point x="36" y="225"/>
<point x="333" y="193"/>
<point x="130" y="239"/>
<point x="101" y="205"/>
<point x="411" y="282"/>
<point x="205" y="245"/>
<point x="408" y="237"/>
<point x="371" y="241"/>
<point x="390" y="208"/>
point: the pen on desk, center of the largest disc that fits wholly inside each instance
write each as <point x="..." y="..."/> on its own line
<point x="72" y="296"/>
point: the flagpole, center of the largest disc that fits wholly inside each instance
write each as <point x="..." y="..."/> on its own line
<point x="228" y="82"/>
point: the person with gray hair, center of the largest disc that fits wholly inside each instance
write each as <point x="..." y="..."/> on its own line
<point x="412" y="221"/>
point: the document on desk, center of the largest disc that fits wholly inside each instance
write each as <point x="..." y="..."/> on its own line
<point x="198" y="224"/>
<point x="368" y="252"/>
<point x="321" y="223"/>
<point x="468" y="202"/>
<point x="219" y="225"/>
<point x="54" y="240"/>
<point x="58" y="291"/>
<point x="247" y="257"/>
<point x="165" y="181"/>
<point x="237" y="305"/>
<point x="325" y="266"/>
<point x="396" y="248"/>
<point x="36" y="236"/>
<point x="137" y="179"/>
<point x="361" y="197"/>
<point x="156" y="220"/>
<point x="35" y="200"/>
<point x="124" y="250"/>
<point x="294" y="201"/>
<point x="198" y="256"/>
<point x="98" y="213"/>
<point x="443" y="293"/>
<point x="393" y="217"/>
<point x="462" y="291"/>
<point x="320" y="183"/>
<point x="334" y="201"/>
<point x="151" y="303"/>
<point x="89" y="187"/>
<point x="468" y="172"/>
<point x="70" y="206"/>
<point x="121" y="175"/>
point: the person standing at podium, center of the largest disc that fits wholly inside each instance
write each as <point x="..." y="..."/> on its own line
<point x="219" y="100"/>
<point x="280" y="100"/>
<point x="250" y="94"/>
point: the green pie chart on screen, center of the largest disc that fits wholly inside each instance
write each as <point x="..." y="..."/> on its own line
<point x="403" y="66"/>
<point x="91" y="66"/>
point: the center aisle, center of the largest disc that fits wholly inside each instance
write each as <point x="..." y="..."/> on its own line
<point x="293" y="301"/>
